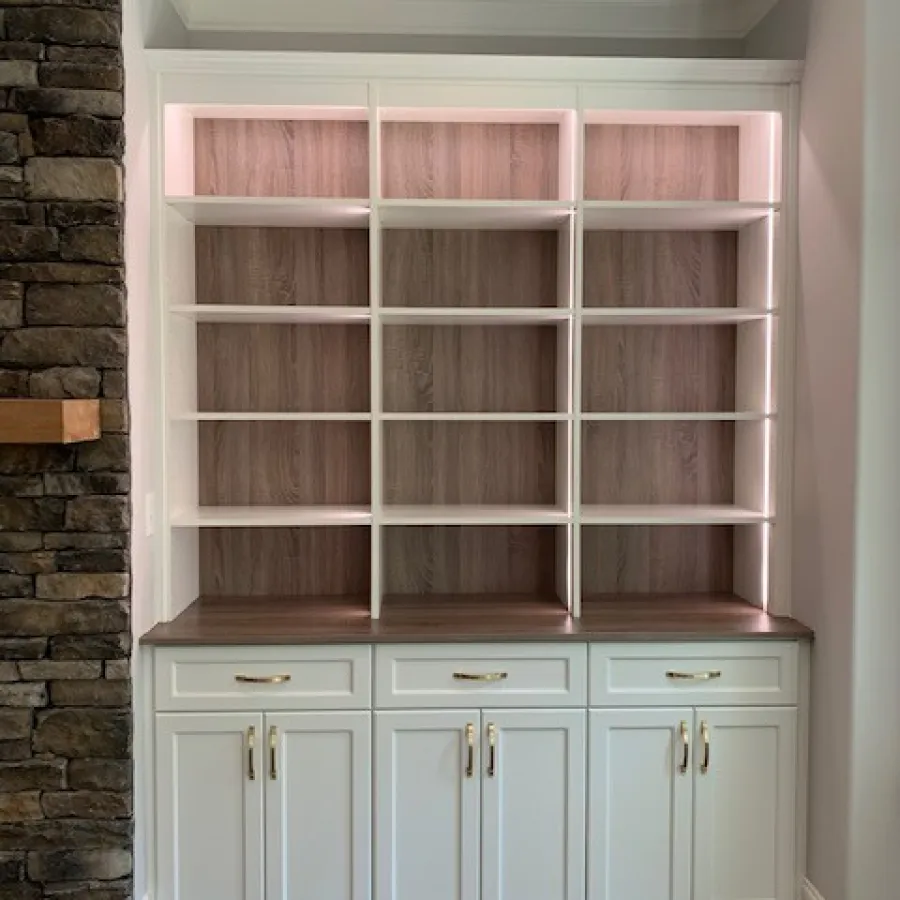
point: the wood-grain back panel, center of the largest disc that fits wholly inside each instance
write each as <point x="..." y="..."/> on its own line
<point x="470" y="560"/>
<point x="658" y="462"/>
<point x="284" y="463"/>
<point x="470" y="161"/>
<point x="282" y="368"/>
<point x="660" y="268"/>
<point x="502" y="463"/>
<point x="285" y="562"/>
<point x="657" y="559"/>
<point x="659" y="368"/>
<point x="661" y="162"/>
<point x="282" y="266"/>
<point x="470" y="368"/>
<point x="451" y="267"/>
<point x="271" y="158"/>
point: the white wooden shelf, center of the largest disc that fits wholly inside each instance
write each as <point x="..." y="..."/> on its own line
<point x="475" y="417"/>
<point x="710" y="215"/>
<point x="272" y="315"/>
<point x="719" y="315"/>
<point x="272" y="212"/>
<point x="474" y="515"/>
<point x="674" y="417"/>
<point x="497" y="215"/>
<point x="653" y="514"/>
<point x="402" y="315"/>
<point x="273" y="417"/>
<point x="270" y="516"/>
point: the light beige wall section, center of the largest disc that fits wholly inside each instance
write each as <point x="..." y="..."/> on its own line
<point x="782" y="34"/>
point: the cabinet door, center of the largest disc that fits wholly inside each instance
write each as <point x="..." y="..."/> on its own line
<point x="533" y="798"/>
<point x="427" y="800"/>
<point x="744" y="804"/>
<point x="640" y="804"/>
<point x="318" y="806"/>
<point x="209" y="806"/>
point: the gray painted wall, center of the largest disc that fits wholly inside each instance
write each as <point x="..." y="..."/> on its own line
<point x="782" y="34"/>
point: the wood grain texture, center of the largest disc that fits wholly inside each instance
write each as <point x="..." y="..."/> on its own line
<point x="49" y="421"/>
<point x="658" y="559"/>
<point x="284" y="463"/>
<point x="661" y="162"/>
<point x="660" y="268"/>
<point x="470" y="161"/>
<point x="469" y="268"/>
<point x="470" y="368"/>
<point x="259" y="562"/>
<point x="270" y="158"/>
<point x="417" y="619"/>
<point x="658" y="462"/>
<point x="282" y="368"/>
<point x="502" y="463"/>
<point x="659" y="368"/>
<point x="283" y="266"/>
<point x="470" y="560"/>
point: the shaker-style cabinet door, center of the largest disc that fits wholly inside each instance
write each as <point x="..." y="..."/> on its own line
<point x="427" y="799"/>
<point x="209" y="806"/>
<point x="318" y="805"/>
<point x="533" y="770"/>
<point x="640" y="800"/>
<point x="744" y="811"/>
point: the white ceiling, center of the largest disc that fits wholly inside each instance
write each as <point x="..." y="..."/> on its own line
<point x="539" y="18"/>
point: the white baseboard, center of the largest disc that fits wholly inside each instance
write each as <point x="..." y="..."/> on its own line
<point x="810" y="892"/>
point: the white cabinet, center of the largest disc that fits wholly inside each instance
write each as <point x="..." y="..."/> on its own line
<point x="318" y="806"/>
<point x="641" y="804"/>
<point x="209" y="800"/>
<point x="692" y="803"/>
<point x="533" y="804"/>
<point x="744" y="805"/>
<point x="473" y="804"/>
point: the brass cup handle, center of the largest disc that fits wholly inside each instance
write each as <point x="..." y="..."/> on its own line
<point x="711" y="675"/>
<point x="686" y="746"/>
<point x="273" y="753"/>
<point x="485" y="676"/>
<point x="262" y="679"/>
<point x="492" y="750"/>
<point x="251" y="745"/>
<point x="470" y="750"/>
<point x="704" y="734"/>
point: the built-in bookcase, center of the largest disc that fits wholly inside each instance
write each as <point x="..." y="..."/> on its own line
<point x="459" y="354"/>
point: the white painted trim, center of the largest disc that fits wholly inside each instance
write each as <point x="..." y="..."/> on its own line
<point x="809" y="892"/>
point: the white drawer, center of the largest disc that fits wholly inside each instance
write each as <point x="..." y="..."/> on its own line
<point x="467" y="675"/>
<point x="760" y="673"/>
<point x="276" y="678"/>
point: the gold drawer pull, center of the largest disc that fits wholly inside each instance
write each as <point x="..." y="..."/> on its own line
<point x="251" y="745"/>
<point x="470" y="750"/>
<point x="492" y="744"/>
<point x="704" y="734"/>
<point x="273" y="753"/>
<point x="486" y="676"/>
<point x="686" y="747"/>
<point x="694" y="676"/>
<point x="262" y="679"/>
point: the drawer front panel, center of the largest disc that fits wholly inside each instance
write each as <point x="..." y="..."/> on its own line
<point x="298" y="678"/>
<point x="467" y="675"/>
<point x="762" y="673"/>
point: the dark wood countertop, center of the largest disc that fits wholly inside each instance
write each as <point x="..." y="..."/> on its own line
<point x="409" y="619"/>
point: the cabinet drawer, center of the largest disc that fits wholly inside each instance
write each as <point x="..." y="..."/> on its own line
<point x="763" y="673"/>
<point x="275" y="678"/>
<point x="467" y="675"/>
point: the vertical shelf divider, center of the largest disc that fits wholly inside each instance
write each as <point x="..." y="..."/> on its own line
<point x="577" y="337"/>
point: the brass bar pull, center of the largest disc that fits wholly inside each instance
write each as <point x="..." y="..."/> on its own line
<point x="470" y="754"/>
<point x="251" y="744"/>
<point x="704" y="734"/>
<point x="273" y="753"/>
<point x="486" y="676"/>
<point x="694" y="676"/>
<point x="686" y="745"/>
<point x="262" y="679"/>
<point x="492" y="752"/>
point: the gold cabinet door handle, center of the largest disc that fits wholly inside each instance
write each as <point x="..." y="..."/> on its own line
<point x="492" y="750"/>
<point x="704" y="734"/>
<point x="711" y="675"/>
<point x="485" y="676"/>
<point x="262" y="679"/>
<point x="470" y="750"/>
<point x="686" y="748"/>
<point x="251" y="745"/>
<point x="273" y="753"/>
